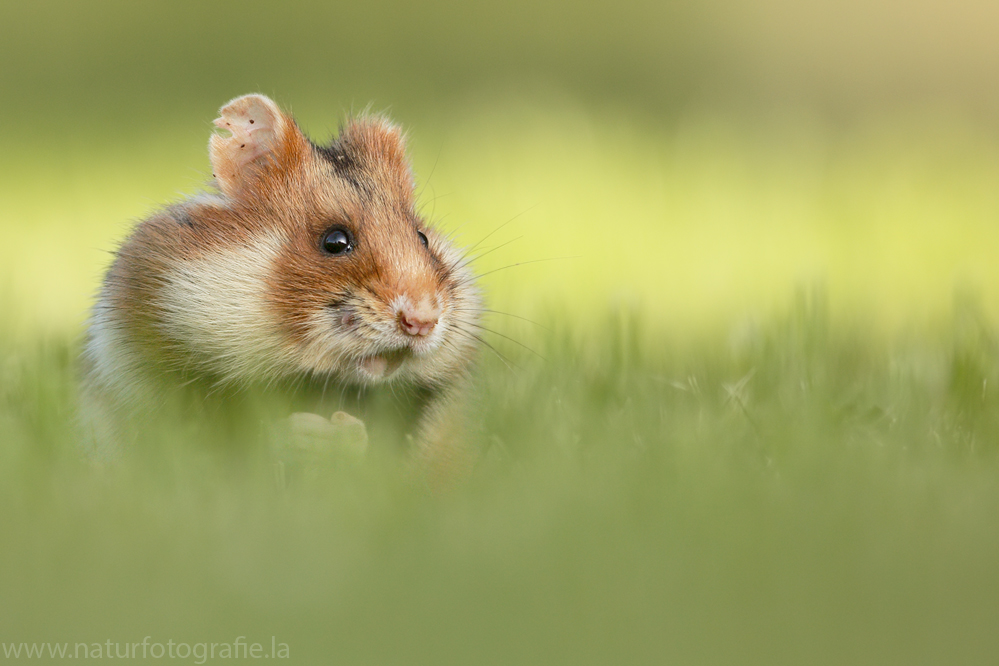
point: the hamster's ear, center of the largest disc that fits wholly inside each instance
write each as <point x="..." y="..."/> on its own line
<point x="258" y="132"/>
<point x="381" y="145"/>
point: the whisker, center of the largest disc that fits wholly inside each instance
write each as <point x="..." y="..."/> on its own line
<point x="509" y="364"/>
<point x="453" y="233"/>
<point x="481" y="254"/>
<point x="343" y="396"/>
<point x="529" y="321"/>
<point x="440" y="149"/>
<point x="519" y="263"/>
<point x="326" y="384"/>
<point x="517" y="342"/>
<point x="483" y="240"/>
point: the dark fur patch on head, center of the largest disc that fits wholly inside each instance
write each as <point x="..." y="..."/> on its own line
<point x="343" y="163"/>
<point x="370" y="153"/>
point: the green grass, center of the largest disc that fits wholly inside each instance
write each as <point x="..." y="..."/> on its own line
<point x="801" y="492"/>
<point x="698" y="470"/>
<point x="703" y="470"/>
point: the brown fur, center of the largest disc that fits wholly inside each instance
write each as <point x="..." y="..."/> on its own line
<point x="280" y="191"/>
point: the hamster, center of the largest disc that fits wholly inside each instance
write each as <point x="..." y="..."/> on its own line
<point x="307" y="264"/>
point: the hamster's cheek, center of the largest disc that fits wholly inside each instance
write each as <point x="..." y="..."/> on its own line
<point x="217" y="304"/>
<point x="322" y="345"/>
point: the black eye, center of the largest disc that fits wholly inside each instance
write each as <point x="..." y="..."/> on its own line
<point x="423" y="238"/>
<point x="337" y="241"/>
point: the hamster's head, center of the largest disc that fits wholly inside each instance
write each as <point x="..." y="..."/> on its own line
<point x="354" y="283"/>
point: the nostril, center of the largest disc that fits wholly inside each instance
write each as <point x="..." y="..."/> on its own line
<point x="417" y="323"/>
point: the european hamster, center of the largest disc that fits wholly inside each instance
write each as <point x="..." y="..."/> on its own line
<point x="308" y="264"/>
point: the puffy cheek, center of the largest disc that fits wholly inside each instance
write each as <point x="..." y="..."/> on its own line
<point x="217" y="305"/>
<point x="326" y="334"/>
<point x="319" y="331"/>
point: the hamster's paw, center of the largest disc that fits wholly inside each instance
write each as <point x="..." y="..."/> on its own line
<point x="307" y="446"/>
<point x="312" y="439"/>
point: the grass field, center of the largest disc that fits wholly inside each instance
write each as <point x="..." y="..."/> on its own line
<point x="756" y="420"/>
<point x="761" y="424"/>
<point x="800" y="494"/>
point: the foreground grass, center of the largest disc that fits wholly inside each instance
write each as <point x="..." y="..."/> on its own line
<point x="794" y="494"/>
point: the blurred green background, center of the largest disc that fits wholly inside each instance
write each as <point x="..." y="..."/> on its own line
<point x="766" y="429"/>
<point x="697" y="159"/>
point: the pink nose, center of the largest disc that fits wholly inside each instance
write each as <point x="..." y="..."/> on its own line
<point x="418" y="321"/>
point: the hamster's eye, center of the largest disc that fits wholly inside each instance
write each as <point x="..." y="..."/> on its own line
<point x="337" y="241"/>
<point x="423" y="239"/>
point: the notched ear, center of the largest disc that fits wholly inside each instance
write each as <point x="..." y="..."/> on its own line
<point x="257" y="133"/>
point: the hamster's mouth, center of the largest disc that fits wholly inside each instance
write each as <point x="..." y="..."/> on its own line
<point x="381" y="366"/>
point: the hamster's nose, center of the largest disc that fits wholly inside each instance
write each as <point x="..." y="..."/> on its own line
<point x="419" y="320"/>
